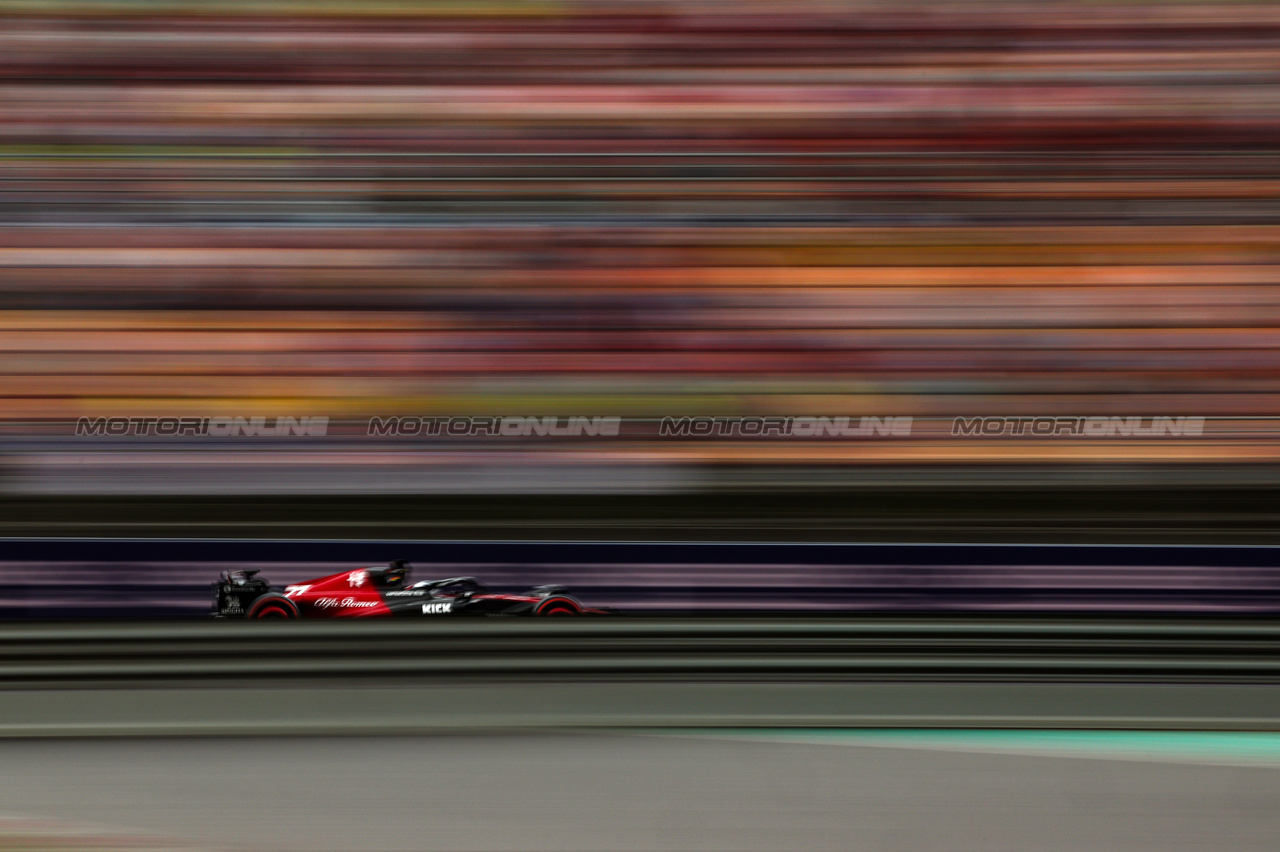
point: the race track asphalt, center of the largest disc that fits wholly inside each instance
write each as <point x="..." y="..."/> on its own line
<point x="644" y="792"/>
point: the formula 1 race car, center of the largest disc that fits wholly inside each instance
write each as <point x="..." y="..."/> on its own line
<point x="381" y="591"/>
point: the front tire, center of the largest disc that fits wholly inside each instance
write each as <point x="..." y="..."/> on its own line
<point x="558" y="606"/>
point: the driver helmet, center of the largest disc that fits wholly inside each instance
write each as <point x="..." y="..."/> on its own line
<point x="396" y="574"/>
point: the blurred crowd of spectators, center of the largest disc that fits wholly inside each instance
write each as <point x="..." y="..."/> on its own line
<point x="647" y="208"/>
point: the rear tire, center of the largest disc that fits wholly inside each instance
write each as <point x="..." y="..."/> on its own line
<point x="273" y="606"/>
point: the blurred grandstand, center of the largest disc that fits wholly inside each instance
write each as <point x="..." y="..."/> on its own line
<point x="640" y="209"/>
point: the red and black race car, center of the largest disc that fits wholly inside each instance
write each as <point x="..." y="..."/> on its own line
<point x="381" y="591"/>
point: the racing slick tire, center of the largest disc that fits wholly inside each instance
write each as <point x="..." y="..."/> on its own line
<point x="273" y="606"/>
<point x="558" y="606"/>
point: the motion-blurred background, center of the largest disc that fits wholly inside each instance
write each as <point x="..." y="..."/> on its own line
<point x="640" y="209"/>
<point x="930" y="221"/>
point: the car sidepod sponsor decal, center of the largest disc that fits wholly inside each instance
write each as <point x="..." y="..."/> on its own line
<point x="344" y="603"/>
